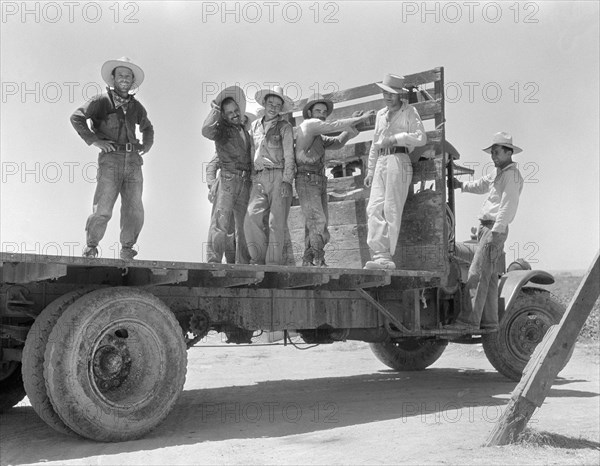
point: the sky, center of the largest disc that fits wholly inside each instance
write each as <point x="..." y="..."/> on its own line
<point x="529" y="68"/>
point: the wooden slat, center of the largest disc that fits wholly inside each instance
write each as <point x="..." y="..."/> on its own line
<point x="151" y="277"/>
<point x="352" y="282"/>
<point x="417" y="79"/>
<point x="295" y="280"/>
<point x="231" y="278"/>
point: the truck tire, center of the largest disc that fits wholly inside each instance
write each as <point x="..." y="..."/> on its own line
<point x="33" y="359"/>
<point x="11" y="385"/>
<point x="521" y="329"/>
<point x="414" y="354"/>
<point x="121" y="368"/>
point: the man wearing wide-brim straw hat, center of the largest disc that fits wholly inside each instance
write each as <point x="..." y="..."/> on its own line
<point x="503" y="187"/>
<point x="273" y="174"/>
<point x="114" y="116"/>
<point x="398" y="130"/>
<point x="225" y="125"/>
<point x="311" y="182"/>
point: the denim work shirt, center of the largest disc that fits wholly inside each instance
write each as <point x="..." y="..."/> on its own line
<point x="311" y="142"/>
<point x="233" y="143"/>
<point x="113" y="124"/>
<point x="504" y="187"/>
<point x="405" y="126"/>
<point x="273" y="146"/>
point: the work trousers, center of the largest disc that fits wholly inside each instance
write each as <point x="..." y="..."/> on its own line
<point x="389" y="190"/>
<point x="312" y="196"/>
<point x="118" y="173"/>
<point x="480" y="305"/>
<point x="266" y="221"/>
<point x="230" y="204"/>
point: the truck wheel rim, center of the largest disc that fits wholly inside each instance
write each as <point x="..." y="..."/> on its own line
<point x="526" y="330"/>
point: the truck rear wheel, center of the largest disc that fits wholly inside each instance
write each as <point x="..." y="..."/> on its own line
<point x="409" y="355"/>
<point x="33" y="359"/>
<point x="521" y="329"/>
<point x="11" y="385"/>
<point x="121" y="368"/>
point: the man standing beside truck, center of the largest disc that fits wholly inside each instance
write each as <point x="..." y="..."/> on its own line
<point x="503" y="187"/>
<point x="398" y="130"/>
<point x="311" y="182"/>
<point x="114" y="116"/>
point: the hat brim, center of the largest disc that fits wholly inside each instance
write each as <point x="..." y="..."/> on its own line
<point x="515" y="149"/>
<point x="236" y="93"/>
<point x="393" y="90"/>
<point x="260" y="96"/>
<point x="110" y="65"/>
<point x="251" y="116"/>
<point x="310" y="103"/>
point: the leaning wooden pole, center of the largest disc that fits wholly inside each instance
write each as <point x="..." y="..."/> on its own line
<point x="546" y="361"/>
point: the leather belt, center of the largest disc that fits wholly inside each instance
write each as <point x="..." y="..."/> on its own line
<point x="235" y="171"/>
<point x="129" y="147"/>
<point x="400" y="150"/>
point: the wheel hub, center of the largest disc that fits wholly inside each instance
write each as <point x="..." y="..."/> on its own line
<point x="112" y="362"/>
<point x="529" y="331"/>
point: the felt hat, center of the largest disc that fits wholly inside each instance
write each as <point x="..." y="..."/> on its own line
<point x="316" y="99"/>
<point x="503" y="139"/>
<point x="392" y="83"/>
<point x="261" y="95"/>
<point x="236" y="93"/>
<point x="110" y="65"/>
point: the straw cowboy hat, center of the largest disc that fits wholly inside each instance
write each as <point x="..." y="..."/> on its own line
<point x="503" y="139"/>
<point x="236" y="93"/>
<point x="392" y="83"/>
<point x="261" y="95"/>
<point x="316" y="99"/>
<point x="110" y="65"/>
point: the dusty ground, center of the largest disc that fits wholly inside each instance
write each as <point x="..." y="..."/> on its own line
<point x="335" y="404"/>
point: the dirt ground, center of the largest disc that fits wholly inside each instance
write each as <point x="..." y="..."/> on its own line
<point x="335" y="404"/>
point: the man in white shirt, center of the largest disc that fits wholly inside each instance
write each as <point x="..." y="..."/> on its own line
<point x="398" y="130"/>
<point x="503" y="187"/>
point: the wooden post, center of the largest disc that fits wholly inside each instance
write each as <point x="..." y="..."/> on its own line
<point x="546" y="361"/>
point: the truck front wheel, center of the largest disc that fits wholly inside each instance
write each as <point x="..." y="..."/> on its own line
<point x="522" y="328"/>
<point x="413" y="354"/>
<point x="121" y="366"/>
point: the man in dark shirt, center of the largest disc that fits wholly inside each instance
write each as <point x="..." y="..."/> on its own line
<point x="114" y="117"/>
<point x="225" y="126"/>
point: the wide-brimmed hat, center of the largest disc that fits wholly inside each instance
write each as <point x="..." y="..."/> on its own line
<point x="392" y="83"/>
<point x="503" y="139"/>
<point x="251" y="116"/>
<point x="236" y="93"/>
<point x="260" y="96"/>
<point x="316" y="99"/>
<point x="110" y="65"/>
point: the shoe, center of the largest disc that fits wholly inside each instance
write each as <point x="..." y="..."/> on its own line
<point x="490" y="328"/>
<point x="321" y="263"/>
<point x="90" y="252"/>
<point x="307" y="263"/>
<point x="385" y="264"/>
<point x="128" y="254"/>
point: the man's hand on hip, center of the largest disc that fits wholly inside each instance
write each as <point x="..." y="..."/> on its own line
<point x="105" y="146"/>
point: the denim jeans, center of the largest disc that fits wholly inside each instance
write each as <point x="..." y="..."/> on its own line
<point x="231" y="203"/>
<point x="118" y="173"/>
<point x="211" y="255"/>
<point x="266" y="222"/>
<point x="480" y="303"/>
<point x="312" y="195"/>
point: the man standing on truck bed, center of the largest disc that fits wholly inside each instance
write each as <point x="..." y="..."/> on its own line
<point x="273" y="174"/>
<point x="311" y="182"/>
<point x="503" y="186"/>
<point x="225" y="126"/>
<point x="114" y="116"/>
<point x="398" y="130"/>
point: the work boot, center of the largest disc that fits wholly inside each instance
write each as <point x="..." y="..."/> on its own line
<point x="385" y="264"/>
<point x="320" y="258"/>
<point x="128" y="253"/>
<point x="90" y="252"/>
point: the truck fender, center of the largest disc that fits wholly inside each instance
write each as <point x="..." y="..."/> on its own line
<point x="511" y="283"/>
